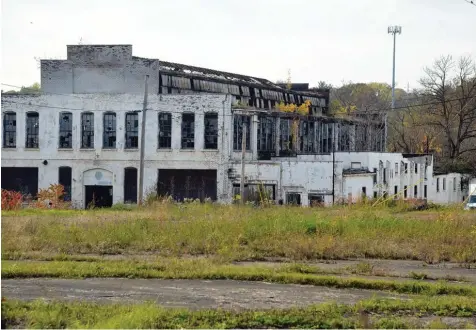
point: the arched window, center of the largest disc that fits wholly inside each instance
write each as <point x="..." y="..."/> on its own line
<point x="10" y="130"/>
<point x="87" y="130"/>
<point x="66" y="130"/>
<point x="109" y="130"/>
<point x="32" y="130"/>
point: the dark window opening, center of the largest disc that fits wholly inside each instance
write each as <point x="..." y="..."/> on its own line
<point x="211" y="130"/>
<point x="293" y="199"/>
<point x="375" y="194"/>
<point x="444" y="184"/>
<point x="21" y="179"/>
<point x="364" y="192"/>
<point x="375" y="176"/>
<point x="395" y="191"/>
<point x="238" y="122"/>
<point x="180" y="184"/>
<point x="416" y="168"/>
<point x="109" y="130"/>
<point x="438" y="185"/>
<point x="286" y="143"/>
<point x="266" y="133"/>
<point x="132" y="130"/>
<point x="425" y="191"/>
<point x="406" y="168"/>
<point x="130" y="185"/>
<point x="165" y="130"/>
<point x="32" y="130"/>
<point x="316" y="200"/>
<point x="454" y="184"/>
<point x="188" y="131"/>
<point x="64" y="179"/>
<point x="257" y="192"/>
<point x="415" y="191"/>
<point x="307" y="136"/>
<point x="405" y="192"/>
<point x="66" y="130"/>
<point x="87" y="130"/>
<point x="98" y="196"/>
<point x="384" y="176"/>
<point x="10" y="130"/>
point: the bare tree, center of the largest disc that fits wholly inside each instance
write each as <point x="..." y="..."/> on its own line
<point x="450" y="89"/>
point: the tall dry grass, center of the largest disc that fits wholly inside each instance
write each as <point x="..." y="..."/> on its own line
<point x="247" y="232"/>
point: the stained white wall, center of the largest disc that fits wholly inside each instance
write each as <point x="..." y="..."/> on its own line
<point x="116" y="160"/>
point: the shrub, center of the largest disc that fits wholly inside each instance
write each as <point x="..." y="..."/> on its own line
<point x="11" y="200"/>
<point x="52" y="197"/>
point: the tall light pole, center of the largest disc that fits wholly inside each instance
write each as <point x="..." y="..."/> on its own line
<point x="392" y="30"/>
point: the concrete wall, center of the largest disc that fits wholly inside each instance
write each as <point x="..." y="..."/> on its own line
<point x="99" y="69"/>
<point x="116" y="160"/>
<point x="449" y="189"/>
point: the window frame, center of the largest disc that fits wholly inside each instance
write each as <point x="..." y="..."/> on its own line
<point x="162" y="130"/>
<point x="65" y="132"/>
<point x="187" y="139"/>
<point x="238" y="132"/>
<point x="9" y="132"/>
<point x="36" y="130"/>
<point x="109" y="117"/>
<point x="209" y="131"/>
<point x="84" y="138"/>
<point x="130" y="130"/>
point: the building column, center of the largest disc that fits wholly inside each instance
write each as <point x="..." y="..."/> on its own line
<point x="254" y="136"/>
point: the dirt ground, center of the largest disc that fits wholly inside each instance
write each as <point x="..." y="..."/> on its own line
<point x="193" y="294"/>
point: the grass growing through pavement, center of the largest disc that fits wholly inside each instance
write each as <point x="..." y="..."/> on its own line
<point x="390" y="314"/>
<point x="246" y="232"/>
<point x="206" y="269"/>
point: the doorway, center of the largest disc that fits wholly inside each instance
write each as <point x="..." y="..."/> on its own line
<point x="99" y="196"/>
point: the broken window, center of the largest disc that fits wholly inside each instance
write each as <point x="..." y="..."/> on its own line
<point x="165" y="130"/>
<point x="293" y="198"/>
<point x="109" y="130"/>
<point x="10" y="130"/>
<point x="87" y="130"/>
<point x="238" y="122"/>
<point x="32" y="130"/>
<point x="64" y="179"/>
<point x="66" y="130"/>
<point x="316" y="200"/>
<point x="188" y="131"/>
<point x="211" y="130"/>
<point x="130" y="185"/>
<point x="132" y="130"/>
<point x="286" y="134"/>
<point x="406" y="168"/>
<point x="266" y="133"/>
<point x="344" y="137"/>
<point x="307" y="134"/>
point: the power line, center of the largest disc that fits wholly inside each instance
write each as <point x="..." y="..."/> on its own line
<point x="471" y="2"/>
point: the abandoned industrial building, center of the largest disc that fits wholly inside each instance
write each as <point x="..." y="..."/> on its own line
<point x="83" y="131"/>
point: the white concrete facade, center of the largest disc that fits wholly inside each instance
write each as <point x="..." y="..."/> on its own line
<point x="375" y="174"/>
<point x="104" y="79"/>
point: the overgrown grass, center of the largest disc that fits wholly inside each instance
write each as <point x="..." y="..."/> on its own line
<point x="209" y="270"/>
<point x="246" y="233"/>
<point x="391" y="314"/>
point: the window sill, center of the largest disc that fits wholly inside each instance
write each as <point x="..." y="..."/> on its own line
<point x="87" y="149"/>
<point x="7" y="149"/>
<point x="65" y="149"/>
<point x="109" y="149"/>
<point x="210" y="150"/>
<point x="130" y="149"/>
<point x="32" y="149"/>
<point x="164" y="150"/>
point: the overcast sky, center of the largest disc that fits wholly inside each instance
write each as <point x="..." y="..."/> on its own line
<point x="332" y="40"/>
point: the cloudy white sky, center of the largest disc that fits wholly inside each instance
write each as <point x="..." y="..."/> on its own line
<point x="331" y="40"/>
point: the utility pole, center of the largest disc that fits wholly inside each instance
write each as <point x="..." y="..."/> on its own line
<point x="243" y="153"/>
<point x="142" y="143"/>
<point x="392" y="30"/>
